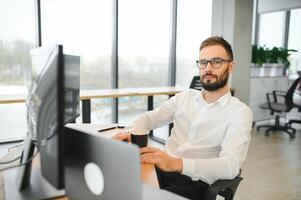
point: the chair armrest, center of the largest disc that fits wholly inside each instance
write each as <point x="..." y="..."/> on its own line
<point x="275" y="95"/>
<point x="280" y="91"/>
<point x="225" y="188"/>
<point x="269" y="100"/>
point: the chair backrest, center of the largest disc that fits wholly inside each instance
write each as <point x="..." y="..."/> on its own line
<point x="290" y="93"/>
<point x="196" y="83"/>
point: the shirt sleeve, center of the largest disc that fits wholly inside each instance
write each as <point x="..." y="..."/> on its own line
<point x="160" y="116"/>
<point x="233" y="152"/>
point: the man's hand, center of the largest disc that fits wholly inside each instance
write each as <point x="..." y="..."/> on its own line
<point x="122" y="137"/>
<point x="162" y="160"/>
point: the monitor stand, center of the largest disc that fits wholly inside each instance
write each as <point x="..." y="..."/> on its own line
<point x="27" y="182"/>
<point x="39" y="188"/>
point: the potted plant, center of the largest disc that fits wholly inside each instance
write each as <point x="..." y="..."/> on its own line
<point x="283" y="56"/>
<point x="259" y="56"/>
<point x="270" y="62"/>
<point x="276" y="68"/>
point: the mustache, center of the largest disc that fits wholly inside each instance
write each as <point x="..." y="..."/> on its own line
<point x="209" y="74"/>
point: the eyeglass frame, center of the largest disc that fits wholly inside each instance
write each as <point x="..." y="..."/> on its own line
<point x="210" y="61"/>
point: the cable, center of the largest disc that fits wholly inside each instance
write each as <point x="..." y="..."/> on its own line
<point x="10" y="148"/>
<point x="6" y="162"/>
<point x="28" y="161"/>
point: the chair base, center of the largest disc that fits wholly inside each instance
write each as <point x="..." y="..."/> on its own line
<point x="277" y="127"/>
<point x="293" y="121"/>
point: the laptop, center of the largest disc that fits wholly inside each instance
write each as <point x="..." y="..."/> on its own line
<point x="104" y="169"/>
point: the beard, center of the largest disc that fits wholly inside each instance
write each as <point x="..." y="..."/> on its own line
<point x="220" y="81"/>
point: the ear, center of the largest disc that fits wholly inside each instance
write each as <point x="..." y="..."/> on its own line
<point x="231" y="67"/>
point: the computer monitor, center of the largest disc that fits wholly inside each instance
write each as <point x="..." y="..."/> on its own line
<point x="52" y="102"/>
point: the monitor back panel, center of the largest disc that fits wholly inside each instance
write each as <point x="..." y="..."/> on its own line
<point x="119" y="163"/>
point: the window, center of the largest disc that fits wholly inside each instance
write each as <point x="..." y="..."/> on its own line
<point x="17" y="37"/>
<point x="144" y="41"/>
<point x="294" y="40"/>
<point x="85" y="29"/>
<point x="271" y="29"/>
<point x="193" y="27"/>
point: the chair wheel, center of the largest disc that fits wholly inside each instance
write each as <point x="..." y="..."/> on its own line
<point x="292" y="136"/>
<point x="267" y="134"/>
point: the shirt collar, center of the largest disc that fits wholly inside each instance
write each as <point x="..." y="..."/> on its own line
<point x="222" y="101"/>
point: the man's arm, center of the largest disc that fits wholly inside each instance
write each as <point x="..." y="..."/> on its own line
<point x="162" y="160"/>
<point x="158" y="117"/>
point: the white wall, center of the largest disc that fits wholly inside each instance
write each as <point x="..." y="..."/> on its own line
<point x="277" y="5"/>
<point x="232" y="19"/>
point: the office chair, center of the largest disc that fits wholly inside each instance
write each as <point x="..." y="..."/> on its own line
<point x="224" y="188"/>
<point x="295" y="121"/>
<point x="296" y="103"/>
<point x="196" y="83"/>
<point x="279" y="107"/>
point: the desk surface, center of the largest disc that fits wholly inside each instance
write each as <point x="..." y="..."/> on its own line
<point x="104" y="93"/>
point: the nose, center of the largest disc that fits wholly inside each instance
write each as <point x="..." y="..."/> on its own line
<point x="208" y="68"/>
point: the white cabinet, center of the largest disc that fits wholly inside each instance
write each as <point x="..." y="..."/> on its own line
<point x="259" y="87"/>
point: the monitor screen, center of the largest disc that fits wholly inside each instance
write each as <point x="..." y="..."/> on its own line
<point x="52" y="102"/>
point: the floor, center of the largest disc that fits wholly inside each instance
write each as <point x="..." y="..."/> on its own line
<point x="272" y="169"/>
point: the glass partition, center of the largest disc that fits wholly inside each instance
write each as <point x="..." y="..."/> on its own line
<point x="144" y="41"/>
<point x="193" y="27"/>
<point x="271" y="29"/>
<point x="17" y="37"/>
<point x="84" y="27"/>
<point x="294" y="40"/>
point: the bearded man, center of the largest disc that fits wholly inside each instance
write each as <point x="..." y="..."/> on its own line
<point x="211" y="132"/>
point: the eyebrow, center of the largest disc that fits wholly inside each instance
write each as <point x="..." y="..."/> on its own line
<point x="211" y="58"/>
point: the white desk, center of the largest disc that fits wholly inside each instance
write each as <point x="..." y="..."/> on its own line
<point x="87" y="95"/>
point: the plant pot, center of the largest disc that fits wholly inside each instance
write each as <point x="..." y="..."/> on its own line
<point x="265" y="69"/>
<point x="255" y="71"/>
<point x="277" y="69"/>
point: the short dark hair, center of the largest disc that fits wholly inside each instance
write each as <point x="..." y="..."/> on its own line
<point x="217" y="40"/>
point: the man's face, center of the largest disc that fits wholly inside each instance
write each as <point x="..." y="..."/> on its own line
<point x="215" y="78"/>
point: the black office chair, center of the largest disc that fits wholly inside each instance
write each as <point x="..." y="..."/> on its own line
<point x="196" y="83"/>
<point x="296" y="104"/>
<point x="276" y="106"/>
<point x="224" y="188"/>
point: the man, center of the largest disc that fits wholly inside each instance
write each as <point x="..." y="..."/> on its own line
<point x="211" y="133"/>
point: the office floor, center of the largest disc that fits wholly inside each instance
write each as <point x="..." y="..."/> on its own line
<point x="272" y="169"/>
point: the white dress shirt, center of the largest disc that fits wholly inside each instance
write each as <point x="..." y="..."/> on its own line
<point x="212" y="139"/>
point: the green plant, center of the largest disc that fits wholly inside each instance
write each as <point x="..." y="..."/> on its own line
<point x="284" y="54"/>
<point x="259" y="55"/>
<point x="273" y="55"/>
<point x="262" y="55"/>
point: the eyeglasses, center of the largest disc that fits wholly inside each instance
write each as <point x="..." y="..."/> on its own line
<point x="215" y="63"/>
